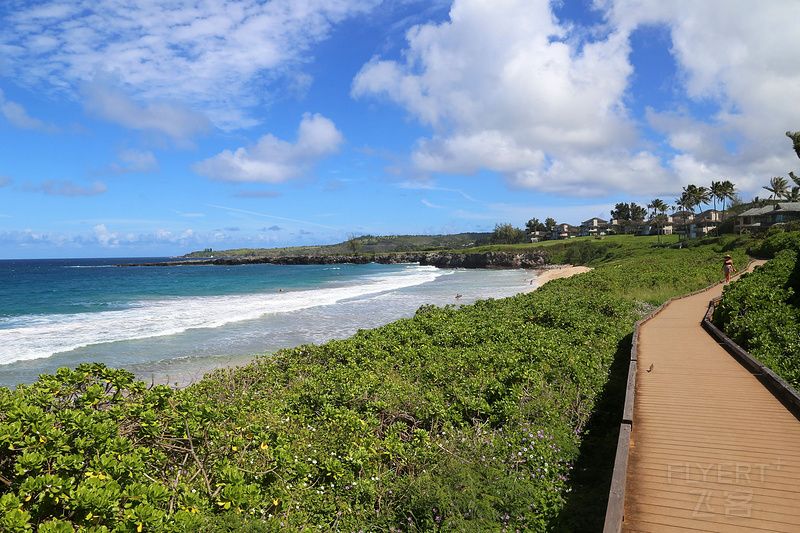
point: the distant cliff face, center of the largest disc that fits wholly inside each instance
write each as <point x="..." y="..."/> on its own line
<point x="438" y="259"/>
<point x="485" y="260"/>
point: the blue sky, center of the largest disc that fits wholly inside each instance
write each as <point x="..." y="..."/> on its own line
<point x="160" y="127"/>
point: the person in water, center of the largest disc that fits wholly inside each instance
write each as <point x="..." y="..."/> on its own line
<point x="727" y="267"/>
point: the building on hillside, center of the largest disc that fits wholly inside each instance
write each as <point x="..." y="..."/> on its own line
<point x="681" y="220"/>
<point x="564" y="231"/>
<point x="760" y="218"/>
<point x="659" y="224"/>
<point x="702" y="223"/>
<point x="593" y="227"/>
<point x="618" y="226"/>
<point x="538" y="236"/>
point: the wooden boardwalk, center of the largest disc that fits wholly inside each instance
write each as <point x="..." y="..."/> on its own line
<point x="711" y="448"/>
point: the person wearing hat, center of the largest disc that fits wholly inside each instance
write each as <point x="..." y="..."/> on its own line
<point x="727" y="267"/>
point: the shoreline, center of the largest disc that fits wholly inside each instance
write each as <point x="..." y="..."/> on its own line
<point x="185" y="379"/>
<point x="563" y="271"/>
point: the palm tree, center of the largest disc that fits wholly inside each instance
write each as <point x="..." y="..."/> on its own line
<point x="778" y="186"/>
<point x="662" y="213"/>
<point x="795" y="179"/>
<point x="795" y="137"/>
<point x="701" y="195"/>
<point x="728" y="191"/>
<point x="716" y="192"/>
<point x="684" y="202"/>
<point x="657" y="206"/>
<point x="793" y="195"/>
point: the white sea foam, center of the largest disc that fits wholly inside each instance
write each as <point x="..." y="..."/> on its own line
<point x="35" y="337"/>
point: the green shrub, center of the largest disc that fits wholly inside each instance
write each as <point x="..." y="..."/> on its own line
<point x="760" y="313"/>
<point x="774" y="242"/>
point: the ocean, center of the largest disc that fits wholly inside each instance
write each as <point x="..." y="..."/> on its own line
<point x="172" y="324"/>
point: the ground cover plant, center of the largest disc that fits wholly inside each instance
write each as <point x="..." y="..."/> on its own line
<point x="761" y="312"/>
<point x="477" y="418"/>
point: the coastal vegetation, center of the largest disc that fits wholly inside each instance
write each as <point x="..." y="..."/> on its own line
<point x="761" y="312"/>
<point x="498" y="416"/>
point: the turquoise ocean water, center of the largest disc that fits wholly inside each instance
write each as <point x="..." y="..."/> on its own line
<point x="169" y="324"/>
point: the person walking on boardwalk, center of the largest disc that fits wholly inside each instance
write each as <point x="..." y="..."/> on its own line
<point x="727" y="267"/>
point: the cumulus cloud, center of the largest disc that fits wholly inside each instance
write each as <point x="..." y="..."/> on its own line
<point x="5" y="180"/>
<point x="273" y="160"/>
<point x="506" y="86"/>
<point x="17" y="116"/>
<point x="65" y="188"/>
<point x="727" y="62"/>
<point x="105" y="237"/>
<point x="205" y="53"/>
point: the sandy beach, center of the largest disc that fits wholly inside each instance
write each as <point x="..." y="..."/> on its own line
<point x="557" y="273"/>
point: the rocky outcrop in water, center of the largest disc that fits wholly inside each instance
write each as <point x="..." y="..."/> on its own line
<point x="535" y="259"/>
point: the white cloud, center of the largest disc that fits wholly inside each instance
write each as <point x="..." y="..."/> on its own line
<point x="507" y="87"/>
<point x="105" y="237"/>
<point x="504" y="89"/>
<point x="134" y="160"/>
<point x="597" y="174"/>
<point x="18" y="117"/>
<point x="466" y="154"/>
<point x="207" y="54"/>
<point x="742" y="59"/>
<point x="273" y="160"/>
<point x="167" y="118"/>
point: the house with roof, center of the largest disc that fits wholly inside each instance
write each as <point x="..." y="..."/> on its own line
<point x="593" y="227"/>
<point x="658" y="224"/>
<point x="761" y="218"/>
<point x="681" y="220"/>
<point x="537" y="236"/>
<point x="624" y="227"/>
<point x="564" y="231"/>
<point x="702" y="223"/>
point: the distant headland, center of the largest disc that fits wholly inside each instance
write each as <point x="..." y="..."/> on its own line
<point x="443" y="251"/>
<point x="534" y="259"/>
